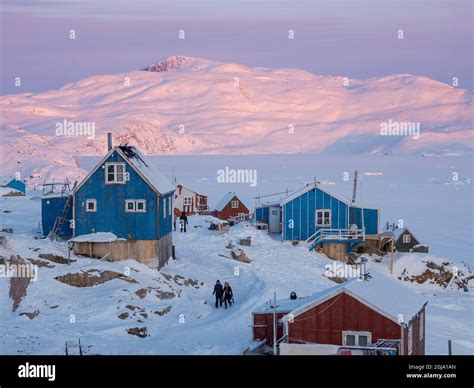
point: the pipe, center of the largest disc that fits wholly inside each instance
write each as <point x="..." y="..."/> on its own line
<point x="109" y="141"/>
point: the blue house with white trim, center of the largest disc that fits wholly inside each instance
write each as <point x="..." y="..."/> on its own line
<point x="317" y="217"/>
<point x="9" y="182"/>
<point x="126" y="196"/>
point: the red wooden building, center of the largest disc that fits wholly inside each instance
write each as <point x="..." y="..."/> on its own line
<point x="231" y="207"/>
<point x="360" y="316"/>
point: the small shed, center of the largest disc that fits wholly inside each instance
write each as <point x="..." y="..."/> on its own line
<point x="358" y="314"/>
<point x="405" y="240"/>
<point x="54" y="206"/>
<point x="17" y="185"/>
<point x="231" y="207"/>
<point x="269" y="214"/>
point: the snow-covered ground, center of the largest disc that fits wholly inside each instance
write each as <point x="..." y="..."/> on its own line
<point x="192" y="325"/>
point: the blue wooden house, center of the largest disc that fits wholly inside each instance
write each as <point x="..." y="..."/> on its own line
<point x="126" y="196"/>
<point x="9" y="182"/>
<point x="321" y="219"/>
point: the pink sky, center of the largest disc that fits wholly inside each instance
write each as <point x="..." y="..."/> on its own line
<point x="352" y="38"/>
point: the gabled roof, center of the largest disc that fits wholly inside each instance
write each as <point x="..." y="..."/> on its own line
<point x="225" y="200"/>
<point x="143" y="167"/>
<point x="187" y="187"/>
<point x="146" y="168"/>
<point x="309" y="187"/>
<point x="382" y="293"/>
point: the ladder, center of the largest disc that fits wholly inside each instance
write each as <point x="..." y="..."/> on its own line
<point x="59" y="221"/>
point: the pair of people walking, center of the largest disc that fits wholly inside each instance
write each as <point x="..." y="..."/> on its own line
<point x="223" y="293"/>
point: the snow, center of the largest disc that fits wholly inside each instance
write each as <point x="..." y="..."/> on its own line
<point x="8" y="191"/>
<point x="4" y="180"/>
<point x="148" y="169"/>
<point x="193" y="325"/>
<point x="194" y="108"/>
<point x="95" y="237"/>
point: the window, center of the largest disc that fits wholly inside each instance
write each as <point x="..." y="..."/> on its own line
<point x="115" y="173"/>
<point x="188" y="201"/>
<point x="164" y="207"/>
<point x="241" y="216"/>
<point x="410" y="339"/>
<point x="135" y="206"/>
<point x="235" y="204"/>
<point x="91" y="205"/>
<point x="274" y="212"/>
<point x="356" y="338"/>
<point x="170" y="205"/>
<point x="421" y="328"/>
<point x="406" y="239"/>
<point x="323" y="217"/>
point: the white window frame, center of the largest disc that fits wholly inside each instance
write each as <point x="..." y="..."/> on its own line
<point x="164" y="207"/>
<point x="356" y="334"/>
<point x="135" y="206"/>
<point x="406" y="238"/>
<point x="410" y="339"/>
<point x="115" y="181"/>
<point x="93" y="201"/>
<point x="234" y="204"/>
<point x="241" y="216"/>
<point x="323" y="218"/>
<point x="170" y="205"/>
<point x="187" y="200"/>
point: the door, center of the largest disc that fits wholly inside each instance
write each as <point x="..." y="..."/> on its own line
<point x="274" y="220"/>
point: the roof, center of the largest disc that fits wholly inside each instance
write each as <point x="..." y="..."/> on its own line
<point x="282" y="305"/>
<point x="225" y="200"/>
<point x="99" y="237"/>
<point x="381" y="292"/>
<point x="187" y="187"/>
<point x="268" y="204"/>
<point x="144" y="167"/>
<point x="309" y="187"/>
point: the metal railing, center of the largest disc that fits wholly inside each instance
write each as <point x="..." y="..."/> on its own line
<point x="336" y="234"/>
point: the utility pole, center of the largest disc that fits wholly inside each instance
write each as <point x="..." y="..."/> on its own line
<point x="274" y="324"/>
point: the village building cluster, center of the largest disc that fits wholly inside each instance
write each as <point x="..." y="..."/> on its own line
<point x="126" y="208"/>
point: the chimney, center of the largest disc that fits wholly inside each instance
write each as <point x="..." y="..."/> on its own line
<point x="109" y="141"/>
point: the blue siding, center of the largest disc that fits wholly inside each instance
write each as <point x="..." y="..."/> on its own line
<point x="262" y="214"/>
<point x="371" y="219"/>
<point x="111" y="215"/>
<point x="51" y="208"/>
<point x="302" y="210"/>
<point x="166" y="220"/>
<point x="17" y="185"/>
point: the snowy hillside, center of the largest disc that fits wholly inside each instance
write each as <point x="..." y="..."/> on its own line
<point x="185" y="105"/>
<point x="128" y="308"/>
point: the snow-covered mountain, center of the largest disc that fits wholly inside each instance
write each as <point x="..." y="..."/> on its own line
<point x="197" y="106"/>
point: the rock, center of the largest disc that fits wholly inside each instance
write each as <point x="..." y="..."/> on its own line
<point x="141" y="332"/>
<point x="164" y="295"/>
<point x="31" y="315"/>
<point x="41" y="263"/>
<point x="166" y="310"/>
<point x="92" y="278"/>
<point x="123" y="315"/>
<point x="142" y="292"/>
<point x="54" y="258"/>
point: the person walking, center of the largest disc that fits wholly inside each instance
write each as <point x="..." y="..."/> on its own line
<point x="183" y="221"/>
<point x="218" y="291"/>
<point x="228" y="294"/>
